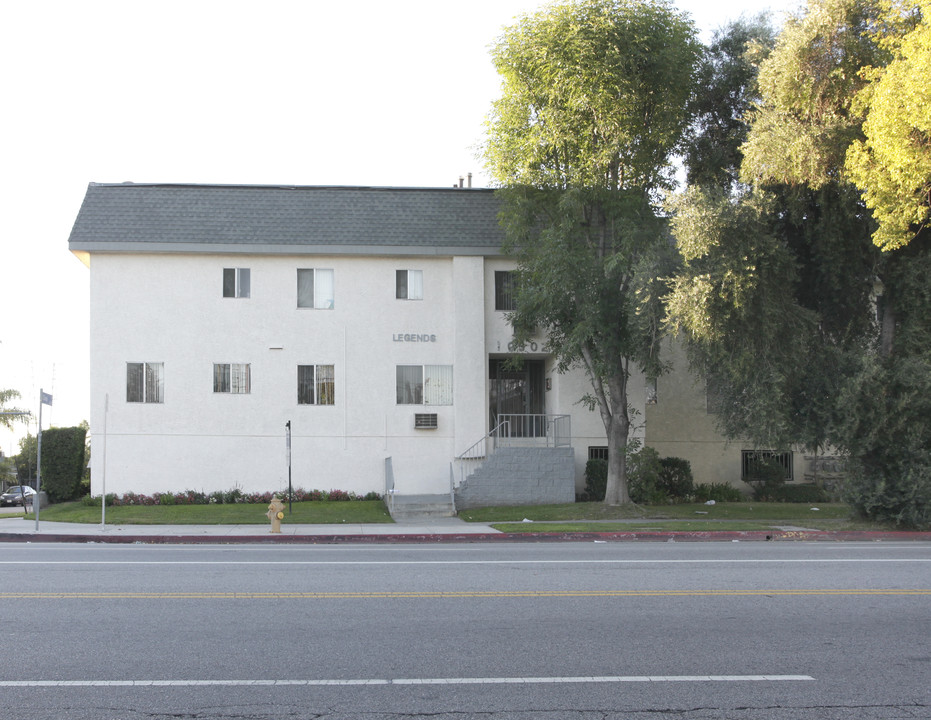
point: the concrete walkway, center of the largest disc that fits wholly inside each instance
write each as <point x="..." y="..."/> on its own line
<point x="14" y="527"/>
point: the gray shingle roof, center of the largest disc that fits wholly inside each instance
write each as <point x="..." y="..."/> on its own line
<point x="133" y="217"/>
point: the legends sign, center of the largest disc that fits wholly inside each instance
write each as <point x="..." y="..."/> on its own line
<point x="414" y="337"/>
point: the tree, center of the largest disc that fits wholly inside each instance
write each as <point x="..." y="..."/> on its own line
<point x="725" y="90"/>
<point x="26" y="460"/>
<point x="594" y="96"/>
<point x="804" y="123"/>
<point x="892" y="163"/>
<point x="813" y="366"/>
<point x="10" y="415"/>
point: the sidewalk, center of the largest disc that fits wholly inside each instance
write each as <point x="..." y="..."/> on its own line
<point x="15" y="528"/>
<point x="435" y="530"/>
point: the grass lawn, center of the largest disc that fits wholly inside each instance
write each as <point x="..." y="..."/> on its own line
<point x="570" y="517"/>
<point x="311" y="512"/>
<point x="597" y="517"/>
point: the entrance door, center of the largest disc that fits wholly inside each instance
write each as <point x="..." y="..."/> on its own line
<point x="517" y="391"/>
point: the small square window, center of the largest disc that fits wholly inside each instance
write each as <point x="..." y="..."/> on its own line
<point x="315" y="288"/>
<point x="145" y="382"/>
<point x="316" y="385"/>
<point x="408" y="284"/>
<point x="236" y="282"/>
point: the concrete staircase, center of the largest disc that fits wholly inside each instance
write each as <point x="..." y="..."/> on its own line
<point x="421" y="507"/>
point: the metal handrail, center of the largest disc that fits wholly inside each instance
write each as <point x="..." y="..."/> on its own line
<point x="533" y="428"/>
<point x="471" y="455"/>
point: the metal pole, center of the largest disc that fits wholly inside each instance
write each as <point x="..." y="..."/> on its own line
<point x="288" y="426"/>
<point x="35" y="498"/>
<point x="103" y="473"/>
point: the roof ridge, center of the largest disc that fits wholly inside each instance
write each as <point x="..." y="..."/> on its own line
<point x="285" y="186"/>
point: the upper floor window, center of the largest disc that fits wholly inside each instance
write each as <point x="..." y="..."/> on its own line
<point x="145" y="382"/>
<point x="316" y="385"/>
<point x="504" y="290"/>
<point x="408" y="284"/>
<point x="425" y="384"/>
<point x="315" y="288"/>
<point x="232" y="378"/>
<point x="236" y="282"/>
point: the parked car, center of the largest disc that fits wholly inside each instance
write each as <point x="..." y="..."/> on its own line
<point x="15" y="495"/>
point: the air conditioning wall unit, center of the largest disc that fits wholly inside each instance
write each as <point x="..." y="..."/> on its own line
<point x="425" y="421"/>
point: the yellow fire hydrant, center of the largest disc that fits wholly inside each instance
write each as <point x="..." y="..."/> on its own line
<point x="275" y="514"/>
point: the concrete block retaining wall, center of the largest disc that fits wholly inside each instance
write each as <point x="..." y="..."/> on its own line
<point x="521" y="476"/>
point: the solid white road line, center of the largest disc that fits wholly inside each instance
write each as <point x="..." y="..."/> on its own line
<point x="266" y="563"/>
<point x="406" y="681"/>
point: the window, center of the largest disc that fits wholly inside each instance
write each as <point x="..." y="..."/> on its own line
<point x="651" y="391"/>
<point x="504" y="290"/>
<point x="236" y="282"/>
<point x="408" y="284"/>
<point x="145" y="382"/>
<point x="316" y="385"/>
<point x="597" y="452"/>
<point x="232" y="378"/>
<point x="425" y="384"/>
<point x="750" y="458"/>
<point x="315" y="288"/>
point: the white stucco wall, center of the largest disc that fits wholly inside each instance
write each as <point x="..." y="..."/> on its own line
<point x="169" y="308"/>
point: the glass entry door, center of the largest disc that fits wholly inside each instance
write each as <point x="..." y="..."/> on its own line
<point x="517" y="391"/>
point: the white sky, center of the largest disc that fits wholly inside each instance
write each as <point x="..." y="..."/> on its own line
<point x="206" y="91"/>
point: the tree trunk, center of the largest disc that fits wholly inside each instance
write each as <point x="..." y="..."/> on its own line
<point x="887" y="331"/>
<point x="616" y="492"/>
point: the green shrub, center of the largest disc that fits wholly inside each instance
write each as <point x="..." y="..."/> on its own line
<point x="903" y="499"/>
<point x="886" y="427"/>
<point x="676" y="477"/>
<point x="63" y="462"/>
<point x="644" y="478"/>
<point x="596" y="480"/>
<point x="802" y="493"/>
<point x="719" y="492"/>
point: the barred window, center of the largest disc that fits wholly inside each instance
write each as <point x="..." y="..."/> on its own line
<point x="235" y="378"/>
<point x="316" y="385"/>
<point x="504" y="290"/>
<point x="145" y="382"/>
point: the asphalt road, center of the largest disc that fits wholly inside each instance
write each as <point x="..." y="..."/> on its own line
<point x="573" y="631"/>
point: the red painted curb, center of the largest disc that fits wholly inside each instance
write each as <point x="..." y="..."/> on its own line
<point x="632" y="536"/>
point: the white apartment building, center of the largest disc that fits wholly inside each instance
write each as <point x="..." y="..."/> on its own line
<point x="373" y="320"/>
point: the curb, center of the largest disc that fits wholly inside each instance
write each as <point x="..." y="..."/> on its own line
<point x="672" y="536"/>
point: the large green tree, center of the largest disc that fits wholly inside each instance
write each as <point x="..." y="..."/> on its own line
<point x="725" y="90"/>
<point x="892" y="163"/>
<point x="593" y="104"/>
<point x="815" y="336"/>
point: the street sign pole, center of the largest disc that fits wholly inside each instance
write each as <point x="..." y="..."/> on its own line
<point x="103" y="472"/>
<point x="35" y="498"/>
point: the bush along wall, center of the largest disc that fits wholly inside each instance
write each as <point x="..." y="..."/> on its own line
<point x="651" y="479"/>
<point x="63" y="462"/>
<point x="227" y="497"/>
